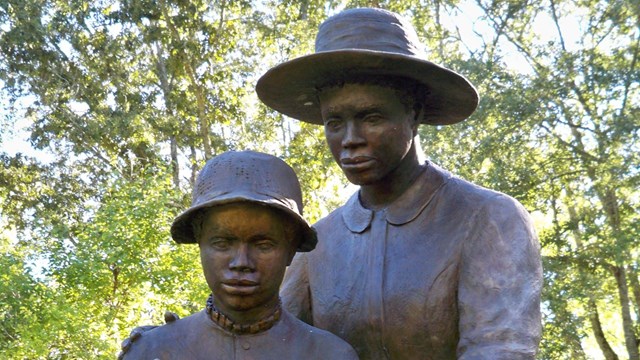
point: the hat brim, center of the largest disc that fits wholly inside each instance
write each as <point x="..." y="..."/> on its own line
<point x="182" y="229"/>
<point x="291" y="87"/>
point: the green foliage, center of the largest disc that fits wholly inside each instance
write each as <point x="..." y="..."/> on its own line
<point x="559" y="135"/>
<point x="19" y="296"/>
<point x="131" y="97"/>
<point x="104" y="279"/>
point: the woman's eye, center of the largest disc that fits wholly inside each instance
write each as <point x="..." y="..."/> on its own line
<point x="373" y="118"/>
<point x="332" y="124"/>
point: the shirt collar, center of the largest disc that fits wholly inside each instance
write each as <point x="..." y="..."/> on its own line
<point x="405" y="208"/>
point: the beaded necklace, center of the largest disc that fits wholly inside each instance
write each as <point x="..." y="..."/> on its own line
<point x="224" y="322"/>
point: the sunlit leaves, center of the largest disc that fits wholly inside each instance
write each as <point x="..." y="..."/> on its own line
<point x="127" y="96"/>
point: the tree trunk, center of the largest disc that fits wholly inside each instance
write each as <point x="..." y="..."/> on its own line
<point x="194" y="165"/>
<point x="161" y="69"/>
<point x="635" y="288"/>
<point x="195" y="86"/>
<point x="609" y="201"/>
<point x="594" y="318"/>
<point x="175" y="167"/>
<point x="592" y="309"/>
<point x="304" y="8"/>
<point x="631" y="341"/>
<point x="202" y="117"/>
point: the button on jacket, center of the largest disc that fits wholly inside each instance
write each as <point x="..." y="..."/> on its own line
<point x="198" y="338"/>
<point x="448" y="270"/>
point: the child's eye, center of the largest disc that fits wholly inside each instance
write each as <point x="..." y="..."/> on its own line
<point x="220" y="243"/>
<point x="265" y="245"/>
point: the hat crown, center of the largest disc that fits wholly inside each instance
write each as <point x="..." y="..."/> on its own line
<point x="359" y="43"/>
<point x="369" y="29"/>
<point x="255" y="176"/>
<point x="246" y="176"/>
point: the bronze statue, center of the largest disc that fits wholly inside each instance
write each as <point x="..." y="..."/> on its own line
<point x="246" y="217"/>
<point x="418" y="264"/>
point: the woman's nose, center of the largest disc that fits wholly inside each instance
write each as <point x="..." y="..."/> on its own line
<point x="352" y="135"/>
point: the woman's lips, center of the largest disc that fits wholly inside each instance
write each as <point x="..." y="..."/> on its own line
<point x="356" y="163"/>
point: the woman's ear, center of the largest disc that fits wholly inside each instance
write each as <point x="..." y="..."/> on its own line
<point x="292" y="253"/>
<point x="418" y="116"/>
<point x="413" y="122"/>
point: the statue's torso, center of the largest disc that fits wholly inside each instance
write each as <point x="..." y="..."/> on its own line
<point x="198" y="338"/>
<point x="396" y="283"/>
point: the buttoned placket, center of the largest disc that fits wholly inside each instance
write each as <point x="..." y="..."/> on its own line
<point x="377" y="258"/>
<point x="242" y="348"/>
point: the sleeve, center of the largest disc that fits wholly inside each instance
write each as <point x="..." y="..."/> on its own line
<point x="295" y="292"/>
<point x="136" y="350"/>
<point x="136" y="334"/>
<point x="500" y="283"/>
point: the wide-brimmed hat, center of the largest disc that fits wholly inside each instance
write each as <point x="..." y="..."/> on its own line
<point x="246" y="176"/>
<point x="359" y="42"/>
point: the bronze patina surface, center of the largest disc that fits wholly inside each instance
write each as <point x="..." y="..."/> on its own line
<point x="246" y="217"/>
<point x="418" y="264"/>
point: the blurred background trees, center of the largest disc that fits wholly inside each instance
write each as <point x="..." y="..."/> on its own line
<point x="122" y="101"/>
